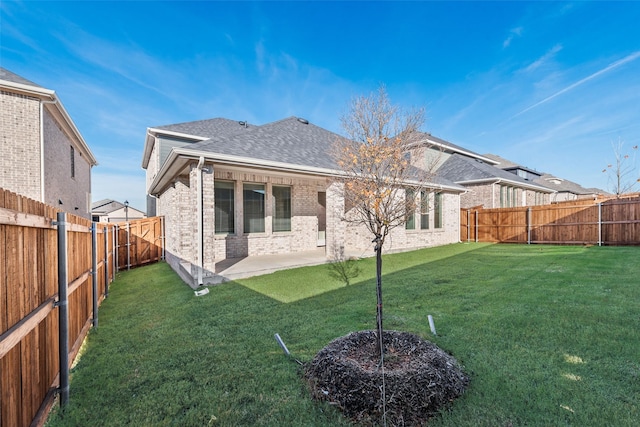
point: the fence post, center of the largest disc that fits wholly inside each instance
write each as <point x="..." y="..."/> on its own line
<point x="63" y="309"/>
<point x="468" y="225"/>
<point x="529" y="225"/>
<point x="94" y="272"/>
<point x="105" y="233"/>
<point x="476" y="226"/>
<point x="599" y="224"/>
<point x="116" y="257"/>
<point x="128" y="247"/>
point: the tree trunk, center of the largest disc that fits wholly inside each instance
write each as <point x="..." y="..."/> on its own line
<point x="379" y="294"/>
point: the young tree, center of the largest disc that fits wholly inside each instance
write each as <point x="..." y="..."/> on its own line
<point x="623" y="173"/>
<point x="377" y="170"/>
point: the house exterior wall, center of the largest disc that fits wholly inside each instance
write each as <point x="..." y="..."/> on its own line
<point x="74" y="191"/>
<point x="479" y="195"/>
<point x="358" y="238"/>
<point x="488" y="196"/>
<point x="304" y="222"/>
<point x="179" y="205"/>
<point x="20" y="149"/>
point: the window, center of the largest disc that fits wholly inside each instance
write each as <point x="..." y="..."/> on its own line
<point x="281" y="208"/>
<point x="253" y="203"/>
<point x="410" y="197"/>
<point x="437" y="210"/>
<point x="424" y="210"/>
<point x="73" y="162"/>
<point x="224" y="210"/>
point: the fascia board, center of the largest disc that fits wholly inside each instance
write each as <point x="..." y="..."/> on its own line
<point x="508" y="181"/>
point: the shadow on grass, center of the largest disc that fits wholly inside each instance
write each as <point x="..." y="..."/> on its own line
<point x="292" y="285"/>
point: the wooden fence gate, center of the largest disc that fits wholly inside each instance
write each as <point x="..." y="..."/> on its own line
<point x="140" y="242"/>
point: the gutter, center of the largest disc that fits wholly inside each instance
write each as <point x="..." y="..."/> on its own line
<point x="501" y="180"/>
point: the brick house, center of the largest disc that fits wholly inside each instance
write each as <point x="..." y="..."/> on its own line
<point x="564" y="190"/>
<point x="230" y="189"/>
<point x="42" y="156"/>
<point x="486" y="184"/>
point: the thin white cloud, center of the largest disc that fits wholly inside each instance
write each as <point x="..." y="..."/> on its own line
<point x="513" y="33"/>
<point x="608" y="68"/>
<point x="544" y="58"/>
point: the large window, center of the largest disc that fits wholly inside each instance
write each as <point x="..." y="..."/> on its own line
<point x="253" y="204"/>
<point x="410" y="197"/>
<point x="437" y="210"/>
<point x="507" y="196"/>
<point x="224" y="201"/>
<point x="424" y="210"/>
<point x="281" y="208"/>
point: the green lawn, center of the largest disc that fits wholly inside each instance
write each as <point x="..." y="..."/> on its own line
<point x="550" y="335"/>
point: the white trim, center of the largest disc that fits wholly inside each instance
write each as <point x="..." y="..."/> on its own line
<point x="501" y="180"/>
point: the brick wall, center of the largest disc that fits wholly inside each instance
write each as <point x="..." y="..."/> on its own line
<point x="74" y="192"/>
<point x="178" y="204"/>
<point x="20" y="149"/>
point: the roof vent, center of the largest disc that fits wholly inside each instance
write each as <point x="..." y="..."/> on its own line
<point x="242" y="123"/>
<point x="303" y="121"/>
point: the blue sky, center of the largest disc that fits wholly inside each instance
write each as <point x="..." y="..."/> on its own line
<point x="549" y="85"/>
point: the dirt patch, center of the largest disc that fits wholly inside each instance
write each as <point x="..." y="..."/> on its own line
<point x="419" y="378"/>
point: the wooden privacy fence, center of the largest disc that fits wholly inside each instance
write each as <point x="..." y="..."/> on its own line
<point x="140" y="242"/>
<point x="611" y="222"/>
<point x="55" y="269"/>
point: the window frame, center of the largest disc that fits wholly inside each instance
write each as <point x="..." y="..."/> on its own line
<point x="259" y="215"/>
<point x="230" y="215"/>
<point x="424" y="210"/>
<point x="288" y="209"/>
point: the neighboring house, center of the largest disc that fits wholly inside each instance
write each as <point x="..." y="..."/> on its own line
<point x="42" y="156"/>
<point x="565" y="190"/>
<point x="487" y="185"/>
<point x="230" y="189"/>
<point x="108" y="210"/>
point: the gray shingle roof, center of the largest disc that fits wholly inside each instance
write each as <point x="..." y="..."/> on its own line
<point x="12" y="77"/>
<point x="563" y="185"/>
<point x="546" y="179"/>
<point x="209" y="128"/>
<point x="290" y="140"/>
<point x="459" y="168"/>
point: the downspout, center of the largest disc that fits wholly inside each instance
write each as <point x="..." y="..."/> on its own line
<point x="199" y="216"/>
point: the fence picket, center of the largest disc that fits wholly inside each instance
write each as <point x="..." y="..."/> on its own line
<point x="29" y="322"/>
<point x="605" y="222"/>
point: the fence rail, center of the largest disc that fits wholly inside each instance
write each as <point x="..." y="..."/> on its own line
<point x="41" y="285"/>
<point x="609" y="222"/>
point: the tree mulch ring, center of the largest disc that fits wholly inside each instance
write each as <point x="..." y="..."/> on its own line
<point x="419" y="378"/>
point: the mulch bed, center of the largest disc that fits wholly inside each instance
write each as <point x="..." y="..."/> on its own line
<point x="419" y="378"/>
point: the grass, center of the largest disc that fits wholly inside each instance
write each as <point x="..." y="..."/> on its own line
<point x="550" y="335"/>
